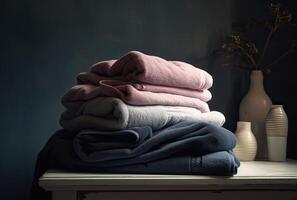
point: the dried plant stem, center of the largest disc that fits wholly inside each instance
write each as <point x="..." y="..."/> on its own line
<point x="266" y="44"/>
<point x="285" y="54"/>
<point x="268" y="39"/>
<point x="247" y="51"/>
<point x="249" y="56"/>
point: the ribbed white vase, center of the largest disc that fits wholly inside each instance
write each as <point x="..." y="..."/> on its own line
<point x="277" y="130"/>
<point x="246" y="146"/>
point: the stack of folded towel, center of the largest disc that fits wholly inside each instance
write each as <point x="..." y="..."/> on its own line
<point x="138" y="90"/>
<point x="141" y="114"/>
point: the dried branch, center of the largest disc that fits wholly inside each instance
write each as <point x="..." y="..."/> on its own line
<point x="239" y="47"/>
<point x="253" y="62"/>
<point x="280" y="58"/>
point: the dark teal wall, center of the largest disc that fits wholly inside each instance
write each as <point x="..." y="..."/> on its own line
<point x="45" y="44"/>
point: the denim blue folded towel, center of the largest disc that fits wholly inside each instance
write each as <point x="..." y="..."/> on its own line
<point x="142" y="144"/>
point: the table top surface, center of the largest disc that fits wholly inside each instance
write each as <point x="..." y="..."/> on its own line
<point x="251" y="175"/>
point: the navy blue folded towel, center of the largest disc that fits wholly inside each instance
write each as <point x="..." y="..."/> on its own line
<point x="222" y="163"/>
<point x="142" y="145"/>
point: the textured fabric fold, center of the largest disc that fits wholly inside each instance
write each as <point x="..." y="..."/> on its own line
<point x="140" y="79"/>
<point x="137" y="66"/>
<point x="222" y="163"/>
<point x="187" y="138"/>
<point x="93" y="140"/>
<point x="106" y="113"/>
<point x="130" y="95"/>
<point x="137" y="94"/>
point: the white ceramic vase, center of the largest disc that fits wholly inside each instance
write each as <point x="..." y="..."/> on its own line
<point x="246" y="146"/>
<point x="254" y="108"/>
<point x="277" y="131"/>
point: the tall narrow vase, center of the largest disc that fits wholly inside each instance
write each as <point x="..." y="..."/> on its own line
<point x="254" y="108"/>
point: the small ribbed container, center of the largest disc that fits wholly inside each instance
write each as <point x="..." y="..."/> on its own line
<point x="276" y="125"/>
<point x="246" y="146"/>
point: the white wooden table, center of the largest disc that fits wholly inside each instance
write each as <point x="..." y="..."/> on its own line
<point x="255" y="180"/>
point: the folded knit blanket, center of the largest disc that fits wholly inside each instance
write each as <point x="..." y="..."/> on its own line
<point x="136" y="66"/>
<point x="106" y="113"/>
<point x="142" y="144"/>
<point x="137" y="94"/>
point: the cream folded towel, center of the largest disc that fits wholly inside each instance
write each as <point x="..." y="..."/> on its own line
<point x="107" y="113"/>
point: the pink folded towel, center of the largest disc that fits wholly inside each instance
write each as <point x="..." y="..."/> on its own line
<point x="137" y="94"/>
<point x="136" y="66"/>
<point x="140" y="79"/>
<point x="127" y="88"/>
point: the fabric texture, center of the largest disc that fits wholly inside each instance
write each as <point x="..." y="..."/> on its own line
<point x="140" y="79"/>
<point x="137" y="66"/>
<point x="137" y="94"/>
<point x="106" y="113"/>
<point x="222" y="163"/>
<point x="188" y="138"/>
